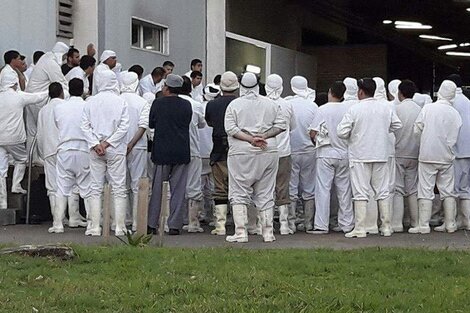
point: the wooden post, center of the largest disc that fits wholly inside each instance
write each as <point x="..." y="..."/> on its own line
<point x="164" y="213"/>
<point x="142" y="206"/>
<point x="106" y="211"/>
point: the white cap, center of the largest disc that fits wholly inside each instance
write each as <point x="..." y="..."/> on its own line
<point x="274" y="86"/>
<point x="299" y="86"/>
<point x="130" y="82"/>
<point x="106" y="55"/>
<point x="229" y="82"/>
<point x="107" y="81"/>
<point x="447" y="91"/>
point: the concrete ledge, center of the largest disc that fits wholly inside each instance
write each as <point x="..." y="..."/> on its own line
<point x="8" y="217"/>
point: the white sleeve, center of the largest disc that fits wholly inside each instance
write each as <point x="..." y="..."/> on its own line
<point x="122" y="129"/>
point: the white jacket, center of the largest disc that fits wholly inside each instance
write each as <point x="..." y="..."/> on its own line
<point x="462" y="105"/>
<point x="407" y="143"/>
<point x="139" y="111"/>
<point x="305" y="111"/>
<point x="197" y="122"/>
<point x="147" y="85"/>
<point x="47" y="132"/>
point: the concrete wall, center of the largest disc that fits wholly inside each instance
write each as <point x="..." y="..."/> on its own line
<point x="186" y="21"/>
<point x="85" y="29"/>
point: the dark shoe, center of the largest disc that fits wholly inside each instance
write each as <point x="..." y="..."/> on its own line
<point x="173" y="232"/>
<point x="151" y="230"/>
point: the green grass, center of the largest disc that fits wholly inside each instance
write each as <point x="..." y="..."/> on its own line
<point x="127" y="279"/>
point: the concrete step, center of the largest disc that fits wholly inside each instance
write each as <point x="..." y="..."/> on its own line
<point x="8" y="217"/>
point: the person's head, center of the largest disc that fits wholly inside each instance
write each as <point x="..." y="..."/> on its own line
<point x="129" y="82"/>
<point x="229" y="83"/>
<point x="299" y="86"/>
<point x="456" y="79"/>
<point x="172" y="86"/>
<point x="109" y="58"/>
<point x="158" y="74"/>
<point x="107" y="82"/>
<point x="217" y="78"/>
<point x="60" y="50"/>
<point x="196" y="65"/>
<point x="187" y="86"/>
<point x="393" y="89"/>
<point x="87" y="64"/>
<point x="76" y="87"/>
<point x="90" y="50"/>
<point x="196" y="78"/>
<point x="366" y="88"/>
<point x="23" y="66"/>
<point x="447" y="91"/>
<point x="56" y="91"/>
<point x="168" y="66"/>
<point x="406" y="90"/>
<point x="380" y="91"/>
<point x="37" y="55"/>
<point x="351" y="88"/>
<point x="73" y="57"/>
<point x="273" y="86"/>
<point x="136" y="68"/>
<point x="249" y="84"/>
<point x="210" y="92"/>
<point x="13" y="58"/>
<point x="336" y="92"/>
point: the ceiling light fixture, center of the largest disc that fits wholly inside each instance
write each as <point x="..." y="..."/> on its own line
<point x="413" y="26"/>
<point x="387" y="22"/>
<point x="458" y="54"/>
<point x="468" y="9"/>
<point x="431" y="37"/>
<point x="446" y="47"/>
<point x="465" y="44"/>
<point x="408" y="23"/>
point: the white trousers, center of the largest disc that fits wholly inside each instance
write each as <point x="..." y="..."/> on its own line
<point x="252" y="179"/>
<point x="136" y="168"/>
<point x="331" y="171"/>
<point x="73" y="172"/>
<point x="302" y="179"/>
<point x="17" y="152"/>
<point x="431" y="174"/>
<point x="391" y="177"/>
<point x="112" y="166"/>
<point x="462" y="178"/>
<point x="193" y="185"/>
<point x="365" y="176"/>
<point x="50" y="170"/>
<point x="406" y="176"/>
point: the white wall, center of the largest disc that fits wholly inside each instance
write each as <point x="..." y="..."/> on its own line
<point x="215" y="49"/>
<point x="85" y="29"/>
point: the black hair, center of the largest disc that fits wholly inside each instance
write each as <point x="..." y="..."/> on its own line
<point x="217" y="79"/>
<point x="194" y="62"/>
<point x="195" y="74"/>
<point x="55" y="90"/>
<point x="338" y="89"/>
<point x="174" y="90"/>
<point x="158" y="71"/>
<point x="456" y="79"/>
<point x="71" y="52"/>
<point x="367" y="85"/>
<point x="187" y="86"/>
<point x="37" y="55"/>
<point x="87" y="61"/>
<point x="407" y="88"/>
<point x="76" y="87"/>
<point x="10" y="56"/>
<point x="321" y="98"/>
<point x="168" y="63"/>
<point x="136" y="68"/>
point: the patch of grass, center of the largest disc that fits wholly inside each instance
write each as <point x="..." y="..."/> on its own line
<point x="126" y="279"/>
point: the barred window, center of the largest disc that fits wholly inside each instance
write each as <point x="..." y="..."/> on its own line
<point x="149" y="36"/>
<point x="65" y="18"/>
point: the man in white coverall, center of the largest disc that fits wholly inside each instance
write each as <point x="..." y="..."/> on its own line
<point x="108" y="61"/>
<point x="251" y="122"/>
<point x="462" y="155"/>
<point x="332" y="163"/>
<point x="139" y="111"/>
<point x="73" y="161"/>
<point x="366" y="126"/>
<point x="438" y="124"/>
<point x="406" y="154"/>
<point x="302" y="151"/>
<point x="105" y="122"/>
<point x="274" y="90"/>
<point x="13" y="135"/>
<point x="194" y="195"/>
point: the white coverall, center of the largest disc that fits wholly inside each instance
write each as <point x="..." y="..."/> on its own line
<point x="252" y="170"/>
<point x="332" y="167"/>
<point x="303" y="149"/>
<point x="367" y="126"/>
<point x="106" y="119"/>
<point x="139" y="111"/>
<point x="146" y="84"/>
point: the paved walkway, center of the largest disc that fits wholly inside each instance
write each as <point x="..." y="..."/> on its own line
<point x="37" y="234"/>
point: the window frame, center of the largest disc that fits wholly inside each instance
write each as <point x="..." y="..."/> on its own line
<point x="166" y="35"/>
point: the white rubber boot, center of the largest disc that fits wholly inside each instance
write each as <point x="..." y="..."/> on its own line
<point x="94" y="216"/>
<point x="120" y="207"/>
<point x="450" y="213"/>
<point x="465" y="213"/>
<point x="3" y="193"/>
<point x="135" y="203"/>
<point x="254" y="221"/>
<point x="59" y="214"/>
<point x="309" y="213"/>
<point x="194" y="208"/>
<point x="398" y="211"/>
<point x="360" y="211"/>
<point x="18" y="175"/>
<point x="283" y="220"/>
<point x="424" y="215"/>
<point x="412" y="201"/>
<point x="240" y="219"/>
<point x="266" y="217"/>
<point x="385" y="217"/>
<point x="220" y="213"/>
<point x="292" y="216"/>
<point x="371" y="217"/>
<point x="75" y="219"/>
<point x="52" y="203"/>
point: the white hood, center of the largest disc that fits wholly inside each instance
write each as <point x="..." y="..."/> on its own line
<point x="274" y="86"/>
<point x="447" y="91"/>
<point x="422" y="99"/>
<point x="106" y="55"/>
<point x="351" y="89"/>
<point x="59" y="50"/>
<point x="249" y="85"/>
<point x="380" y="92"/>
<point x="393" y="88"/>
<point x="211" y="91"/>
<point x="130" y="82"/>
<point x="107" y="81"/>
<point x="299" y="86"/>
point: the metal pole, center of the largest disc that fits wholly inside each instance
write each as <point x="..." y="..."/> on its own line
<point x="164" y="212"/>
<point x="30" y="167"/>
